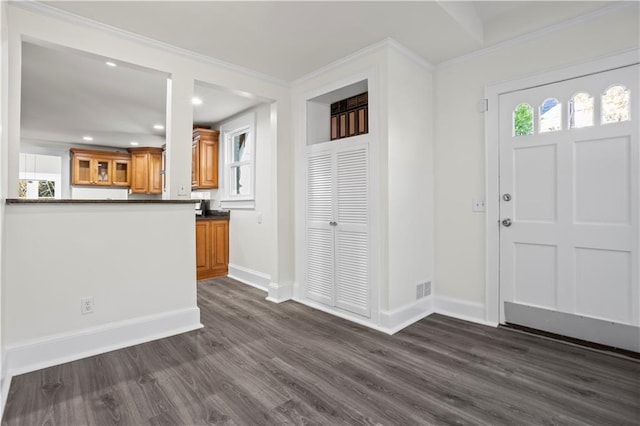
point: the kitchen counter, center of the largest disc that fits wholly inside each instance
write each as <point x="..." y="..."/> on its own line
<point x="69" y="201"/>
<point x="214" y="215"/>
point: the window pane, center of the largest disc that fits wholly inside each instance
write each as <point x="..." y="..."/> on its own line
<point x="615" y="105"/>
<point x="103" y="171"/>
<point x="240" y="180"/>
<point x="46" y="189"/>
<point x="33" y="188"/>
<point x="523" y="120"/>
<point x="22" y="188"/>
<point x="550" y="115"/>
<point x="581" y="111"/>
<point x="240" y="147"/>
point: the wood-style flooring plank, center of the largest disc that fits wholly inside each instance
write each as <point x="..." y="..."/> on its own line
<point x="260" y="363"/>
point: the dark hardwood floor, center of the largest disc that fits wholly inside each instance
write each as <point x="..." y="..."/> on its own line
<point x="258" y="363"/>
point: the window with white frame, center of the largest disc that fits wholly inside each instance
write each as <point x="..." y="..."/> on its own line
<point x="238" y="138"/>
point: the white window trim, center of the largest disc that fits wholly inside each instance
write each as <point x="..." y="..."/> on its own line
<point x="246" y="122"/>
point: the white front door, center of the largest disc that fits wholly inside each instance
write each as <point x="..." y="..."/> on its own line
<point x="569" y="189"/>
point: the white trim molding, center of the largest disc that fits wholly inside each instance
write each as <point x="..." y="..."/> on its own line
<point x="250" y="277"/>
<point x="388" y="42"/>
<point x="527" y="37"/>
<point x="5" y="385"/>
<point x="492" y="160"/>
<point x="462" y="309"/>
<point x="279" y="293"/>
<point x="61" y="348"/>
<point x="396" y="319"/>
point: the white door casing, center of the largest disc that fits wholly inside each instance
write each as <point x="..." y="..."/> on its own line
<point x="573" y="243"/>
<point x="337" y="230"/>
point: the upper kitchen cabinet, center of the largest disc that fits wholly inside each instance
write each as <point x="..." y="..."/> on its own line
<point x="146" y="170"/>
<point x="100" y="168"/>
<point x="204" y="159"/>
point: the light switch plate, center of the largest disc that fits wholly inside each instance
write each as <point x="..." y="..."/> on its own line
<point x="478" y="205"/>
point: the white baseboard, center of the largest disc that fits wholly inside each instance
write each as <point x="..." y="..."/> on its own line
<point x="280" y="292"/>
<point x="336" y="312"/>
<point x="62" y="348"/>
<point x="250" y="277"/>
<point x="5" y="384"/>
<point x="390" y="322"/>
<point x="461" y="309"/>
<point x="396" y="319"/>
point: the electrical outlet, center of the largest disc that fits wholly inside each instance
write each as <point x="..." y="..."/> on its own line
<point x="427" y="288"/>
<point x="478" y="205"/>
<point x="259" y="218"/>
<point x="419" y="291"/>
<point x="87" y="305"/>
<point x="182" y="190"/>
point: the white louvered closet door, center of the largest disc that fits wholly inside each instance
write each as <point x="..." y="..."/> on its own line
<point x="352" y="230"/>
<point x="320" y="206"/>
<point x="338" y="227"/>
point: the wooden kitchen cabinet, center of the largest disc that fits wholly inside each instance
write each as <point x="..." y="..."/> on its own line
<point x="204" y="159"/>
<point x="146" y="170"/>
<point x="100" y="168"/>
<point x="212" y="248"/>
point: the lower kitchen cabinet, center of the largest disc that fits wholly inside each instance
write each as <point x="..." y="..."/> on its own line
<point x="212" y="248"/>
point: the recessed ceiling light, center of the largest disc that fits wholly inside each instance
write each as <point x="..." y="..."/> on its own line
<point x="87" y="138"/>
<point x="134" y="143"/>
<point x="111" y="64"/>
<point x="158" y="126"/>
<point x="196" y="101"/>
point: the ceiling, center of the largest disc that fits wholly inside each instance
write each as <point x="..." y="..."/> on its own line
<point x="289" y="39"/>
<point x="67" y="94"/>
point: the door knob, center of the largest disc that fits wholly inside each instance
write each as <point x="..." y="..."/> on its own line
<point x="506" y="222"/>
<point x="506" y="197"/>
<point x="332" y="223"/>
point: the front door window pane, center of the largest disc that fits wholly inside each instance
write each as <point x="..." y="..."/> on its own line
<point x="581" y="111"/>
<point x="615" y="105"/>
<point x="550" y="115"/>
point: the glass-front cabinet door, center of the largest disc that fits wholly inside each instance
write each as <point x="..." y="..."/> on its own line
<point x="121" y="175"/>
<point x="102" y="170"/>
<point x="81" y="174"/>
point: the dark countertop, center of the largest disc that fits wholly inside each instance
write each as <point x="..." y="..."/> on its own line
<point x="214" y="215"/>
<point x="67" y="201"/>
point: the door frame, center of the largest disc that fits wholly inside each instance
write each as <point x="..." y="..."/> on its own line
<point x="492" y="158"/>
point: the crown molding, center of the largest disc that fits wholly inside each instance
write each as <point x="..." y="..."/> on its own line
<point x="402" y="49"/>
<point x="386" y="43"/>
<point x="538" y="33"/>
<point x="53" y="12"/>
<point x="46" y="10"/>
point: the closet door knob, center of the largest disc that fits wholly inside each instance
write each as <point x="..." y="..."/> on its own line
<point x="332" y="223"/>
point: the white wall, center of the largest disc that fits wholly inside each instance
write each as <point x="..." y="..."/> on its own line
<point x="459" y="130"/>
<point x="410" y="177"/>
<point x="184" y="70"/>
<point x="248" y="239"/>
<point x="132" y="258"/>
